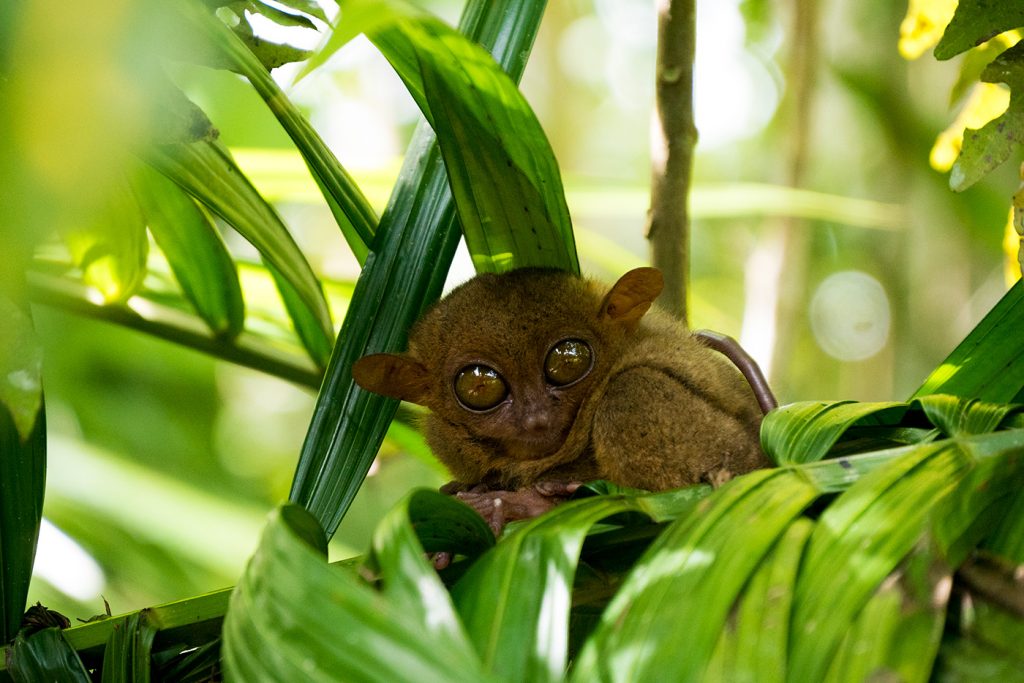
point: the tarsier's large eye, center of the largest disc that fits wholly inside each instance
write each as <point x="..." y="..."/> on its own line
<point x="568" y="361"/>
<point x="479" y="387"/>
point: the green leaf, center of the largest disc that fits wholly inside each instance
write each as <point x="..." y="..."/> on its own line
<point x="987" y="148"/>
<point x="857" y="542"/>
<point x="177" y="118"/>
<point x="865" y="534"/>
<point x="279" y="16"/>
<point x="897" y="633"/>
<point x="804" y="432"/>
<point x="271" y="55"/>
<point x="21" y="368"/>
<point x="500" y="165"/>
<point x="307" y="326"/>
<point x="195" y="251"/>
<point x="126" y="657"/>
<point x="984" y="499"/>
<point x="698" y="567"/>
<point x="206" y="170"/>
<point x="408" y="580"/>
<point x="351" y="210"/>
<point x="45" y="656"/>
<point x="441" y="523"/>
<point x="193" y="620"/>
<point x="515" y="600"/>
<point x="976" y="21"/>
<point x="111" y="247"/>
<point x="353" y="634"/>
<point x="989" y="363"/>
<point x="956" y="416"/>
<point x="23" y="473"/>
<point x="752" y="646"/>
<point x="405" y="273"/>
<point x="1007" y="538"/>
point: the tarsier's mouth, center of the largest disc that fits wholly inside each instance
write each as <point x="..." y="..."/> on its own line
<point x="534" y="446"/>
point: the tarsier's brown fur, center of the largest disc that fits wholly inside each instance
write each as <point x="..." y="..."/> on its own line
<point x="657" y="409"/>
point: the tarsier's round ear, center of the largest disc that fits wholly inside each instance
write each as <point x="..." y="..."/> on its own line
<point x="392" y="375"/>
<point x="632" y="295"/>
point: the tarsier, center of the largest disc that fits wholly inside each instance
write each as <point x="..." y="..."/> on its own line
<point x="538" y="380"/>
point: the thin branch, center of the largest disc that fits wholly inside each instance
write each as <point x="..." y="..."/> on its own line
<point x="673" y="138"/>
<point x="171" y="325"/>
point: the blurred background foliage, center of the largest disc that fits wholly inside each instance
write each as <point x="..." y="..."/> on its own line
<point x="854" y="287"/>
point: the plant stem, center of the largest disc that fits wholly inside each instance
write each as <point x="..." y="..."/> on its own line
<point x="171" y="325"/>
<point x="674" y="137"/>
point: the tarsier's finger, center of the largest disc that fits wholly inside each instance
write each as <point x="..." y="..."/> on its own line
<point x="440" y="560"/>
<point x="557" y="488"/>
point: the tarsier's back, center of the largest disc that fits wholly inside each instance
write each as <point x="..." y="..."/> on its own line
<point x="538" y="375"/>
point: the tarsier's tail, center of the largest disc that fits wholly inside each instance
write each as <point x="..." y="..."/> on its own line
<point x="731" y="349"/>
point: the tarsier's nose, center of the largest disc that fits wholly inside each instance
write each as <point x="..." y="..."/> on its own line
<point x="536" y="422"/>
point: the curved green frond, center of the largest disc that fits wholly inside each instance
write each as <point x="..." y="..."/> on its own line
<point x="45" y="656"/>
<point x="206" y="170"/>
<point x="698" y="566"/>
<point x="354" y="633"/>
<point x="195" y="251"/>
<point x="501" y="167"/>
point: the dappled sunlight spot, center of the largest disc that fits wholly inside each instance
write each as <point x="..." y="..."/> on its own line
<point x="761" y="290"/>
<point x="143" y="307"/>
<point x="66" y="566"/>
<point x="632" y="22"/>
<point x="850" y="316"/>
<point x="1012" y="252"/>
<point x="94" y="296"/>
<point x="551" y="633"/>
<point x="664" y="566"/>
<point x="296" y="36"/>
<point x="497" y="263"/>
<point x="627" y="658"/>
<point x="437" y="605"/>
<point x="943" y="374"/>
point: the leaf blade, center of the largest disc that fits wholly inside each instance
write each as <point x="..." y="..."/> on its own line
<point x="989" y="363"/>
<point x="206" y="170"/>
<point x="678" y="569"/>
<point x="500" y="165"/>
<point x="270" y="634"/>
<point x="195" y="251"/>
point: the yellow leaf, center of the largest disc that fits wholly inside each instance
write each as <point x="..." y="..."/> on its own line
<point x="924" y="24"/>
<point x="986" y="102"/>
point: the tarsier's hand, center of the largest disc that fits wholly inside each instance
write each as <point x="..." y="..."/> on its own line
<point x="500" y="507"/>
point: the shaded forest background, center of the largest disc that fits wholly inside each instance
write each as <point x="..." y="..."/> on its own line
<point x="908" y="266"/>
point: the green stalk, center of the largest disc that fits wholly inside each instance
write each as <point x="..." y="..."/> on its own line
<point x="171" y="325"/>
<point x="351" y="209"/>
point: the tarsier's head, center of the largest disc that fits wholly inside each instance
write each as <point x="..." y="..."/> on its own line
<point x="509" y="359"/>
